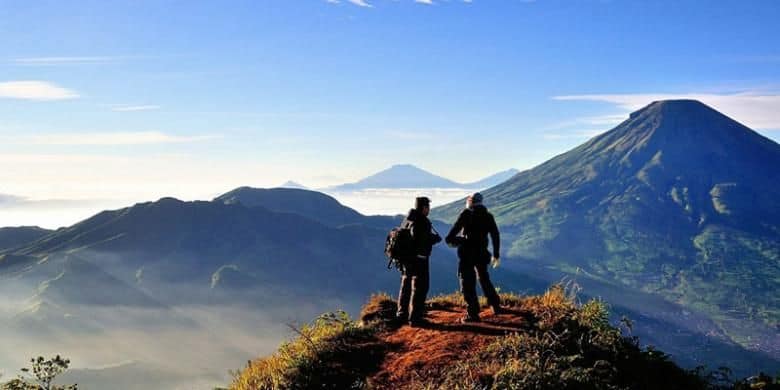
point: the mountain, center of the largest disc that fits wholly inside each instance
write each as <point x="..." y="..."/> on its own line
<point x="310" y="204"/>
<point x="170" y="241"/>
<point x="541" y="342"/>
<point x="14" y="236"/>
<point x="399" y="176"/>
<point x="493" y="180"/>
<point x="410" y="176"/>
<point x="678" y="201"/>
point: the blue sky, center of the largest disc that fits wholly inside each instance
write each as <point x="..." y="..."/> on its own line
<point x="126" y="101"/>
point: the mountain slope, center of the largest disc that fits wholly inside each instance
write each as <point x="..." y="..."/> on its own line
<point x="16" y="236"/>
<point x="492" y="180"/>
<point x="678" y="200"/>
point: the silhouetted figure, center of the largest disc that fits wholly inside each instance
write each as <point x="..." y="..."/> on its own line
<point x="415" y="278"/>
<point x="470" y="234"/>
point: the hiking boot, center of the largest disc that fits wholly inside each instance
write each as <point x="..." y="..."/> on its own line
<point x="467" y="319"/>
<point x="499" y="310"/>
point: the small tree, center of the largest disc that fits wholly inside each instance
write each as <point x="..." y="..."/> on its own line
<point x="44" y="371"/>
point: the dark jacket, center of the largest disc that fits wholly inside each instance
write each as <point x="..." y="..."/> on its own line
<point x="471" y="232"/>
<point x="422" y="232"/>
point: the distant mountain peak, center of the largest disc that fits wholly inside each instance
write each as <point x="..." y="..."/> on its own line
<point x="405" y="166"/>
<point x="412" y="176"/>
<point x="400" y="176"/>
<point x="293" y="184"/>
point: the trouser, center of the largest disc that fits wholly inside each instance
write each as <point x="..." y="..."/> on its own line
<point x="415" y="280"/>
<point x="468" y="272"/>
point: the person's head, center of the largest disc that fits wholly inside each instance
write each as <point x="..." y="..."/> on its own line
<point x="474" y="199"/>
<point x="423" y="205"/>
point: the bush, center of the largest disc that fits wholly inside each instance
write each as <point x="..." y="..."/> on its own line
<point x="44" y="371"/>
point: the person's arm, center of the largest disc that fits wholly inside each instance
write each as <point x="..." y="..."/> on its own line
<point x="420" y="238"/>
<point x="495" y="237"/>
<point x="435" y="237"/>
<point x="456" y="228"/>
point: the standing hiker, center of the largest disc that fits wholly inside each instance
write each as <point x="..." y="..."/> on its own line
<point x="470" y="234"/>
<point x="415" y="278"/>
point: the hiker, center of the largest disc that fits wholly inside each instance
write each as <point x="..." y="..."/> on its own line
<point x="415" y="277"/>
<point x="470" y="235"/>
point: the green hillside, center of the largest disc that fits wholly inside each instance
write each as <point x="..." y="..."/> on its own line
<point x="679" y="201"/>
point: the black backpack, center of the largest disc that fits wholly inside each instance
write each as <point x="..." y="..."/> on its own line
<point x="399" y="245"/>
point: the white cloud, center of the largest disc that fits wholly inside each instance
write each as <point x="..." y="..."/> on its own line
<point x="50" y="61"/>
<point x="130" y="108"/>
<point x="361" y="3"/>
<point x="758" y="110"/>
<point x="395" y="201"/>
<point x="115" y="138"/>
<point x="429" y="2"/>
<point x="35" y="90"/>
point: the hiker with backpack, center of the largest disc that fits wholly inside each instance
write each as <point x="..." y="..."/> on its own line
<point x="409" y="246"/>
<point x="470" y="235"/>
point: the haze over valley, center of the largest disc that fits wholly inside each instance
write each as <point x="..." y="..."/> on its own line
<point x="209" y="195"/>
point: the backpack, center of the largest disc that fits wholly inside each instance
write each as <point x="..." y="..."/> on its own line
<point x="398" y="246"/>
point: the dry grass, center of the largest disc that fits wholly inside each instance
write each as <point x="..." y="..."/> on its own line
<point x="333" y="352"/>
<point x="380" y="308"/>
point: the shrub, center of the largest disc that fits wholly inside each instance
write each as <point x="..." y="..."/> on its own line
<point x="44" y="371"/>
